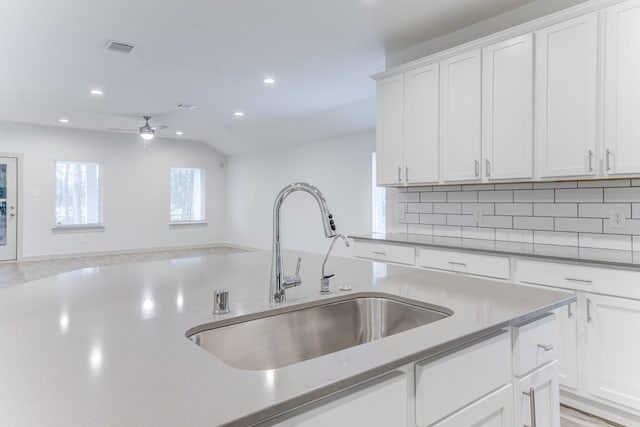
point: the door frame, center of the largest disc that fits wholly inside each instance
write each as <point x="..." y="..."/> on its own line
<point x="20" y="201"/>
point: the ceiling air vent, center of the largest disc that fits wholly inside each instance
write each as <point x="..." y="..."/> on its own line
<point x="118" y="46"/>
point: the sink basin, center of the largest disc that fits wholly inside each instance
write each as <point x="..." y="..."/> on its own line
<point x="292" y="334"/>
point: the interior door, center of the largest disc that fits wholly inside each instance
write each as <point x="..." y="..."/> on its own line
<point x="8" y="208"/>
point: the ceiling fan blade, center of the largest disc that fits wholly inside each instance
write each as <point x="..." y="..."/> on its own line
<point x="160" y="127"/>
<point x="124" y="130"/>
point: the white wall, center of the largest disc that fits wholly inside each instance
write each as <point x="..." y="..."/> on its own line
<point x="521" y="15"/>
<point x="136" y="189"/>
<point x="340" y="168"/>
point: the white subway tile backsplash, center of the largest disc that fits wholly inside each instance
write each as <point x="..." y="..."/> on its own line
<point x="477" y="187"/>
<point x="508" y="235"/>
<point x="524" y="209"/>
<point x="462" y="196"/>
<point x="556" y="209"/>
<point x="496" y="196"/>
<point x="533" y="223"/>
<point x="555" y="238"/>
<point x="630" y="194"/>
<point x="515" y="186"/>
<point x="592" y="195"/>
<point x="408" y="197"/>
<point x="448" y="231"/>
<point x="465" y="220"/>
<point x="447" y="208"/>
<point x="605" y="241"/>
<point x="447" y="188"/>
<point x="419" y="229"/>
<point x="537" y="196"/>
<point x="632" y="226"/>
<point x="554" y="185"/>
<point x="478" y="233"/>
<point x="410" y="218"/>
<point x="603" y="210"/>
<point x="433" y="197"/>
<point x="604" y="183"/>
<point x="420" y="207"/>
<point x="496" y="221"/>
<point x="487" y="208"/>
<point x="433" y="219"/>
<point x="579" y="225"/>
<point x="560" y="213"/>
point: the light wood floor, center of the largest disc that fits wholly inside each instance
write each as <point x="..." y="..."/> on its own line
<point x="13" y="273"/>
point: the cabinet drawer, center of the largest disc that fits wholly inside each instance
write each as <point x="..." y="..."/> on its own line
<point x="607" y="281"/>
<point x="534" y="344"/>
<point x="384" y="252"/>
<point x="481" y="265"/>
<point x="445" y="385"/>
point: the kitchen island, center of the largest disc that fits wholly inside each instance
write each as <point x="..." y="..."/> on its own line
<point x="107" y="346"/>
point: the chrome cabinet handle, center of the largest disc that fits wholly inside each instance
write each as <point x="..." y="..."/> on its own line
<point x="487" y="167"/>
<point x="608" y="160"/>
<point x="532" y="405"/>
<point x="463" y="264"/>
<point x="399" y="174"/>
<point x="590" y="161"/>
<point x="379" y="253"/>
<point x="547" y="347"/>
<point x="589" y="310"/>
<point x="477" y="170"/>
<point x="569" y="312"/>
<point x="406" y="174"/>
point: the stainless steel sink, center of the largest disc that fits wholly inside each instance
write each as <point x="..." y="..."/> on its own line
<point x="292" y="334"/>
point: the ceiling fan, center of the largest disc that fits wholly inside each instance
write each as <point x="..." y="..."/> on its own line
<point x="147" y="132"/>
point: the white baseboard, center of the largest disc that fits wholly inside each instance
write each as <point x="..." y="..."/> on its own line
<point x="599" y="410"/>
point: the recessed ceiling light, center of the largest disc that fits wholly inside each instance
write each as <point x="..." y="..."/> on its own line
<point x="96" y="92"/>
<point x="238" y="114"/>
<point x="63" y="120"/>
<point x="269" y="81"/>
<point x="179" y="132"/>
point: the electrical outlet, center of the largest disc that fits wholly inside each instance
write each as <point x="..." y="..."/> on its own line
<point x="617" y="219"/>
<point x="477" y="215"/>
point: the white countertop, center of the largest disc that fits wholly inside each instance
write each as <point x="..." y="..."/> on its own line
<point x="106" y="346"/>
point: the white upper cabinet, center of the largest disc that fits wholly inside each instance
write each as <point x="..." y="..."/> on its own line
<point x="507" y="110"/>
<point x="460" y="117"/>
<point x="421" y="125"/>
<point x="566" y="89"/>
<point x="389" y="130"/>
<point x="622" y="89"/>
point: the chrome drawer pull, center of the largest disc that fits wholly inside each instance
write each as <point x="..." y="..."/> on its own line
<point x="547" y="347"/>
<point x="586" y="282"/>
<point x="379" y="253"/>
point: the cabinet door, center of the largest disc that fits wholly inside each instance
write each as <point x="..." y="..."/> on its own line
<point x="613" y="349"/>
<point x="389" y="133"/>
<point x="566" y="55"/>
<point x="421" y="125"/>
<point x="622" y="89"/>
<point x="378" y="403"/>
<point x="460" y="117"/>
<point x="494" y="410"/>
<point x="567" y="322"/>
<point x="538" y="394"/>
<point x="507" y="111"/>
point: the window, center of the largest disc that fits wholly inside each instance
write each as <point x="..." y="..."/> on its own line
<point x="378" y="201"/>
<point x="78" y="194"/>
<point x="187" y="195"/>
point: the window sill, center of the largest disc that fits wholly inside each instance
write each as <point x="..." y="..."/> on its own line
<point x="188" y="224"/>
<point x="91" y="228"/>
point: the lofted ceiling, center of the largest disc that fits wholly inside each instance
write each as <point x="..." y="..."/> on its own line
<point x="214" y="54"/>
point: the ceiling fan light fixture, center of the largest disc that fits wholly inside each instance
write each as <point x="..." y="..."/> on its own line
<point x="147" y="134"/>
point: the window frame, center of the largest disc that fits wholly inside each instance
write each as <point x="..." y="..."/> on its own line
<point x="98" y="226"/>
<point x="203" y="201"/>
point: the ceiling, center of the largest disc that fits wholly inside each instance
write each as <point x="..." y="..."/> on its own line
<point x="214" y="54"/>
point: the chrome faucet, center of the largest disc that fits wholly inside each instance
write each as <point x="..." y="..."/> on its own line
<point x="280" y="282"/>
<point x="324" y="279"/>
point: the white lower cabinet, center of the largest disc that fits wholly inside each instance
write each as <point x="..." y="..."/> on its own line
<point x="536" y="396"/>
<point x="494" y="410"/>
<point x="613" y="350"/>
<point x="377" y="403"/>
<point x="567" y="329"/>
